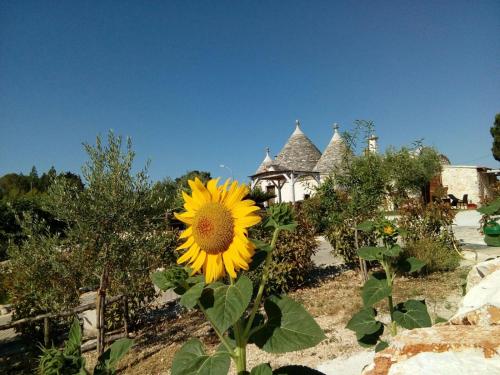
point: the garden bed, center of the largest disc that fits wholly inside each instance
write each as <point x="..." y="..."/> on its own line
<point x="331" y="301"/>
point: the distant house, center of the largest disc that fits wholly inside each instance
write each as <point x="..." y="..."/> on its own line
<point x="475" y="181"/>
<point x="300" y="167"/>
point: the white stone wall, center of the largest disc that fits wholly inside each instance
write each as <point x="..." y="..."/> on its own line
<point x="462" y="180"/>
<point x="304" y="186"/>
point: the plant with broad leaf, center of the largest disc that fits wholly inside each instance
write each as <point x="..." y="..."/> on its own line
<point x="69" y="360"/>
<point x="409" y="314"/>
<point x="217" y="219"/>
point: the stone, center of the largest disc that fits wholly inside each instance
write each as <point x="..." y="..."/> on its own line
<point x="352" y="365"/>
<point x="481" y="305"/>
<point x="467" y="362"/>
<point x="480" y="271"/>
<point x="459" y="340"/>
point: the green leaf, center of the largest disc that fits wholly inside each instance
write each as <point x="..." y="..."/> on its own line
<point x="229" y="303"/>
<point x="412" y="314"/>
<point x="258" y="258"/>
<point x="393" y="251"/>
<point x="263" y="369"/>
<point x="289" y="327"/>
<point x="371" y="253"/>
<point x="381" y="346"/>
<point x="169" y="278"/>
<point x="107" y="362"/>
<point x="440" y="319"/>
<point x="190" y="298"/>
<point x="296" y="370"/>
<point x="364" y="322"/>
<point x="366" y="226"/>
<point x="288" y="227"/>
<point x="415" y="264"/>
<point x="192" y="359"/>
<point x="261" y="245"/>
<point x="369" y="340"/>
<point x="375" y="290"/>
<point x="74" y="343"/>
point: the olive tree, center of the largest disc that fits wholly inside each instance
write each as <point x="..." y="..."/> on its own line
<point x="116" y="228"/>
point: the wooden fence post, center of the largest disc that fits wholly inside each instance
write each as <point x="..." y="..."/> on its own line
<point x="125" y="315"/>
<point x="46" y="332"/>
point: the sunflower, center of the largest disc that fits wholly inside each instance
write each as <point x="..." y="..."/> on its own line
<point x="389" y="230"/>
<point x="217" y="219"/>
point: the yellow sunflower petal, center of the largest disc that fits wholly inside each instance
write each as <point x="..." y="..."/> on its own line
<point x="244" y="211"/>
<point x="228" y="263"/>
<point x="191" y="254"/>
<point x="213" y="189"/>
<point x="201" y="196"/>
<point x="186" y="233"/>
<point x="213" y="267"/>
<point x="198" y="263"/>
<point x="185" y="217"/>
<point x="186" y="244"/>
<point x="248" y="221"/>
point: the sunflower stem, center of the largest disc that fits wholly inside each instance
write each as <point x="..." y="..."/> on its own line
<point x="219" y="334"/>
<point x="263" y="281"/>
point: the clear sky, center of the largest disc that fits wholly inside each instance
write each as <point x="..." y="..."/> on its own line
<point x="197" y="84"/>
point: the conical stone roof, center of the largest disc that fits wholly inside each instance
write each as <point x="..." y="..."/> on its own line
<point x="333" y="155"/>
<point x="266" y="163"/>
<point x="299" y="153"/>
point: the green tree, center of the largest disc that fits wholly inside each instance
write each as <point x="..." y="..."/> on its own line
<point x="114" y="231"/>
<point x="495" y="133"/>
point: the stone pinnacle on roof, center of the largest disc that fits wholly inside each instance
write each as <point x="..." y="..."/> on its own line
<point x="299" y="153"/>
<point x="334" y="153"/>
<point x="266" y="163"/>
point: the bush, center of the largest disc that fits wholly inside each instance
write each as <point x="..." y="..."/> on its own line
<point x="436" y="255"/>
<point x="41" y="277"/>
<point x="419" y="220"/>
<point x="292" y="258"/>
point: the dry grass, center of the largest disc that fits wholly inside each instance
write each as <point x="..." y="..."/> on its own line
<point x="332" y="302"/>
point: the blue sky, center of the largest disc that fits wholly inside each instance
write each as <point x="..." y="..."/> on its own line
<point x="197" y="84"/>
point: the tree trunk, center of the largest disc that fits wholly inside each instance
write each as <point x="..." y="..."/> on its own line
<point x="362" y="262"/>
<point x="100" y="309"/>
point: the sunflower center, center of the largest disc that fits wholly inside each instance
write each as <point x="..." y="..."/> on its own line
<point x="213" y="228"/>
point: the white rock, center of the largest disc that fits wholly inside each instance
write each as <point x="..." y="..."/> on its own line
<point x="352" y="365"/>
<point x="480" y="271"/>
<point x="467" y="362"/>
<point x="481" y="305"/>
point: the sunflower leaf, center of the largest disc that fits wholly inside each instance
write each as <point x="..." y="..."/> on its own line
<point x="289" y="327"/>
<point x="190" y="298"/>
<point x="364" y="322"/>
<point x="375" y="290"/>
<point x="228" y="303"/>
<point x="412" y="314"/>
<point x="192" y="359"/>
<point x="263" y="369"/>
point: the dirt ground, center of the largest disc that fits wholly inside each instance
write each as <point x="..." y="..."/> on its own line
<point x="332" y="301"/>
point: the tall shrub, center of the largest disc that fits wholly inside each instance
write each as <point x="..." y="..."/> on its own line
<point x="116" y="227"/>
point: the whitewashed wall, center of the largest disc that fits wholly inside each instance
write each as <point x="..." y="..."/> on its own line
<point x="462" y="180"/>
<point x="302" y="187"/>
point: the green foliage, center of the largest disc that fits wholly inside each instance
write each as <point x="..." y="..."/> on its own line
<point x="289" y="327"/>
<point x="410" y="169"/>
<point x="427" y="234"/>
<point x="117" y="227"/>
<point x="495" y="133"/>
<point x="192" y="359"/>
<point x="42" y="276"/>
<point x="409" y="314"/>
<point x="292" y="258"/>
<point x="286" y="325"/>
<point x="225" y="304"/>
<point x="259" y="196"/>
<point x="434" y="253"/>
<point x="69" y="360"/>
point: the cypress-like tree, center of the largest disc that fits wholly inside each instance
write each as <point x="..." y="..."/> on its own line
<point x="495" y="133"/>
